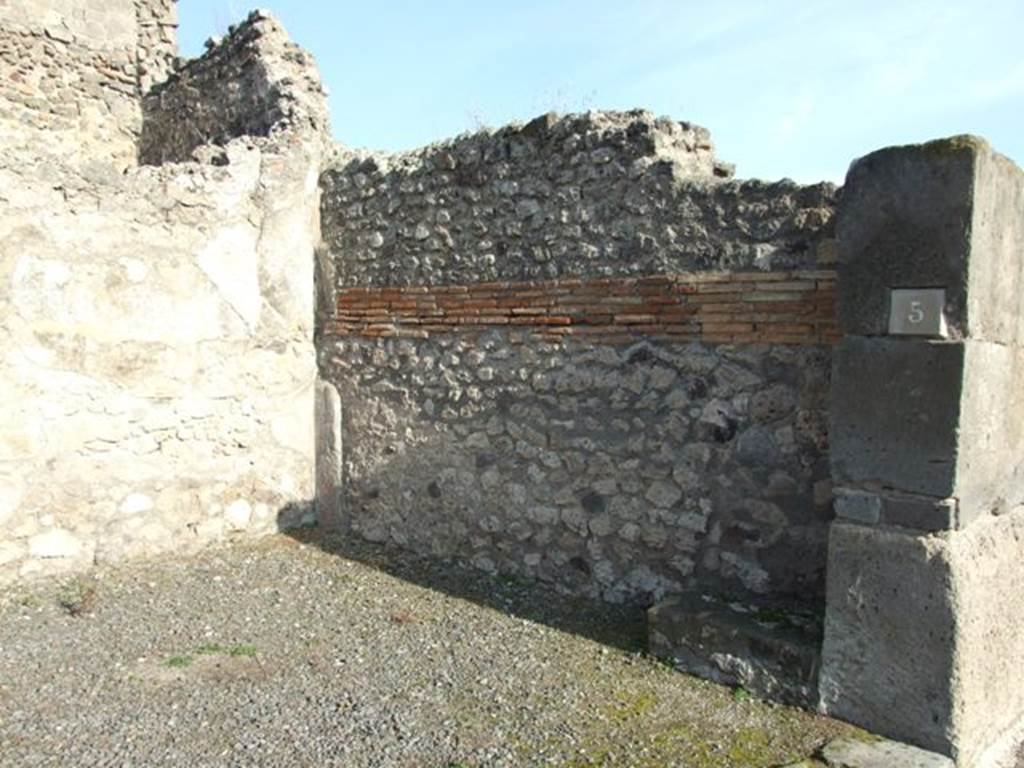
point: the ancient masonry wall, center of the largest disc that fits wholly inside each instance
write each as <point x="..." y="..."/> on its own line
<point x="157" y="367"/>
<point x="575" y="350"/>
<point x="71" y="73"/>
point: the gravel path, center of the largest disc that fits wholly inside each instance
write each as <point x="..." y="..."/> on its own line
<point x="305" y="653"/>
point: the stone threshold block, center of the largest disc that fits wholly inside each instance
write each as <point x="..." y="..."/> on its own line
<point x="872" y="753"/>
<point x="771" y="653"/>
<point x="922" y="634"/>
<point x="880" y="753"/>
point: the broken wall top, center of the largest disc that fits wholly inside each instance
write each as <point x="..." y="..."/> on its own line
<point x="602" y="194"/>
<point x="254" y="83"/>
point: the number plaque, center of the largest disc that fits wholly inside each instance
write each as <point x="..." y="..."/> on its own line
<point x="917" y="312"/>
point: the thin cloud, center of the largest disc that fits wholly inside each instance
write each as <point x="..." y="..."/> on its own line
<point x="998" y="89"/>
<point x="793" y="121"/>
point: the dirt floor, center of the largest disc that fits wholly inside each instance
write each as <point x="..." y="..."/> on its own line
<point x="305" y="652"/>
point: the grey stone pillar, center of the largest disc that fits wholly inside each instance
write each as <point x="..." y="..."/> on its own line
<point x="328" y="455"/>
<point x="926" y="558"/>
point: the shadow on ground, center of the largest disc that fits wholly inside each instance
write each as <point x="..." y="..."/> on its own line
<point x="618" y="626"/>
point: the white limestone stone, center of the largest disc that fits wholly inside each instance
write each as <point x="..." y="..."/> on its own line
<point x="238" y="514"/>
<point x="135" y="503"/>
<point x="55" y="544"/>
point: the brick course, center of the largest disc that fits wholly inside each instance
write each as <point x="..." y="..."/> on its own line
<point x="741" y="307"/>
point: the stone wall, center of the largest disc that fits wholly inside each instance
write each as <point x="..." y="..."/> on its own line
<point x="157" y="369"/>
<point x="249" y="84"/>
<point x="71" y="72"/>
<point x="575" y="351"/>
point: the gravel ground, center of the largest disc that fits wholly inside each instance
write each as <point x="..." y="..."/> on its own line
<point x="306" y="652"/>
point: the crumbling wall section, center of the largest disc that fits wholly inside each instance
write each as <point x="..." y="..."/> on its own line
<point x="71" y="73"/>
<point x="248" y="84"/>
<point x="593" y="195"/>
<point x="576" y="351"/>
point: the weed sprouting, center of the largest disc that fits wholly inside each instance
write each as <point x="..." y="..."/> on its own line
<point x="210" y="649"/>
<point x="77" y="597"/>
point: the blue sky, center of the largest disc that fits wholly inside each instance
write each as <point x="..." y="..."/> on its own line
<point x="788" y="88"/>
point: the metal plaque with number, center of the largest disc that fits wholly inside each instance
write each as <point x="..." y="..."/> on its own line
<point x="917" y="312"/>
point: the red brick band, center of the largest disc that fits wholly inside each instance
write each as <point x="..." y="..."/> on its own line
<point x="740" y="307"/>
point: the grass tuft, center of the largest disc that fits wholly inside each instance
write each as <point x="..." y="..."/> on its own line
<point x="210" y="649"/>
<point x="77" y="597"/>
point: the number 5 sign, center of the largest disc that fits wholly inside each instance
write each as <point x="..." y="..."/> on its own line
<point x="917" y="312"/>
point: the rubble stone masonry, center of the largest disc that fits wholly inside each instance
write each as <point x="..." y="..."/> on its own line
<point x="577" y="350"/>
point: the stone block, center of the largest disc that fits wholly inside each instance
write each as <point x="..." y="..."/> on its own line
<point x="238" y="515"/>
<point x="858" y="506"/>
<point x="852" y="753"/>
<point x="990" y="460"/>
<point x="996" y="277"/>
<point x="291" y="422"/>
<point x="922" y="639"/>
<point x="988" y="586"/>
<point x="55" y="544"/>
<point x="771" y="653"/>
<point x="888" y="654"/>
<point x="11" y="493"/>
<point x="945" y="214"/>
<point x="938" y="426"/>
<point x="904" y="222"/>
<point x="922" y="513"/>
<point x="902" y="510"/>
<point x="895" y="414"/>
